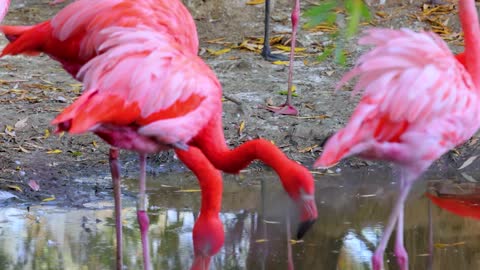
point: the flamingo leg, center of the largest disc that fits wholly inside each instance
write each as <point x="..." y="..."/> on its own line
<point x="266" y="51"/>
<point x="115" y="171"/>
<point x="377" y="258"/>
<point x="287" y="108"/>
<point x="399" y="249"/>
<point x="142" y="217"/>
<point x="289" y="244"/>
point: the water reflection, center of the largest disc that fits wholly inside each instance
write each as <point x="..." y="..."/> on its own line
<point x="350" y="225"/>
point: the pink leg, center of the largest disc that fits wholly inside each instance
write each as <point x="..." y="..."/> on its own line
<point x="142" y="217"/>
<point x="115" y="170"/>
<point x="289" y="245"/>
<point x="377" y="259"/>
<point x="399" y="249"/>
<point x="288" y="108"/>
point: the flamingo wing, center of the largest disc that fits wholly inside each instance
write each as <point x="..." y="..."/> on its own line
<point x="415" y="93"/>
<point x="144" y="79"/>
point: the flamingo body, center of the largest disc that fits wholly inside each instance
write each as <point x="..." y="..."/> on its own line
<point x="418" y="102"/>
<point x="409" y="113"/>
<point x="72" y="36"/>
<point x="152" y="107"/>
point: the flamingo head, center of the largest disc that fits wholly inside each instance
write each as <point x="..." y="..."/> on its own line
<point x="208" y="238"/>
<point x="300" y="186"/>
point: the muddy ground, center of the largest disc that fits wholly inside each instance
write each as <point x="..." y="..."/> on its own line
<point x="74" y="169"/>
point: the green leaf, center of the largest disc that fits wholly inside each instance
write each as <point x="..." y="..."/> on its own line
<point x="321" y="13"/>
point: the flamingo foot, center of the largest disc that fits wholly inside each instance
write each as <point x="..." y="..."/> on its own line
<point x="377" y="259"/>
<point x="285" y="109"/>
<point x="402" y="257"/>
<point x="272" y="57"/>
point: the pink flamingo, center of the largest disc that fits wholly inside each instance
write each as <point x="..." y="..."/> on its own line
<point x="145" y="94"/>
<point x="287" y="108"/>
<point x="413" y="109"/>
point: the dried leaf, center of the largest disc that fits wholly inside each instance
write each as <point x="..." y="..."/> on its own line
<point x="281" y="63"/>
<point x="34" y="185"/>
<point x="219" y="52"/>
<point x="15" y="187"/>
<point x="288" y="48"/>
<point x="5" y="195"/>
<point x="46" y="134"/>
<point x="469" y="177"/>
<point x="241" y="127"/>
<point x="443" y="245"/>
<point x="52" y="198"/>
<point x="188" y="190"/>
<point x="21" y="123"/>
<point x="308" y="149"/>
<point x="23" y="149"/>
<point x="55" y="151"/>
<point x="468" y="162"/>
<point x="9" y="131"/>
<point x="255" y="2"/>
<point x="94" y="143"/>
<point x="294" y="242"/>
<point x="261" y="240"/>
<point x="271" y="222"/>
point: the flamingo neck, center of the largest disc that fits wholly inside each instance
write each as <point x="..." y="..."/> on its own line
<point x="469" y="20"/>
<point x="212" y="142"/>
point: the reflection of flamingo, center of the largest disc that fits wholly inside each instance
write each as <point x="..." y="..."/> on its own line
<point x="208" y="233"/>
<point x="467" y="205"/>
<point x="413" y="110"/>
<point x="287" y="108"/>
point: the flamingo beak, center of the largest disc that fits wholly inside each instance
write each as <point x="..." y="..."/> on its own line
<point x="308" y="215"/>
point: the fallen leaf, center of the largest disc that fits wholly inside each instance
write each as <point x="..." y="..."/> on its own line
<point x="308" y="149"/>
<point x="188" y="190"/>
<point x="34" y="185"/>
<point x="294" y="242"/>
<point x="255" y="2"/>
<point x="46" y="134"/>
<point x="241" y="127"/>
<point x="281" y="63"/>
<point x="271" y="221"/>
<point x="468" y="162"/>
<point x="219" y="52"/>
<point x="443" y="245"/>
<point x="55" y="151"/>
<point x="94" y="143"/>
<point x="15" y="187"/>
<point x="21" y="123"/>
<point x="5" y="195"/>
<point x="469" y="177"/>
<point x="261" y="240"/>
<point x="288" y="48"/>
<point x="49" y="199"/>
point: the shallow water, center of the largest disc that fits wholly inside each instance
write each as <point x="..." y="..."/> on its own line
<point x="351" y="215"/>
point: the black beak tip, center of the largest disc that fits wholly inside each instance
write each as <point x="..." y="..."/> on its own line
<point x="304" y="227"/>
